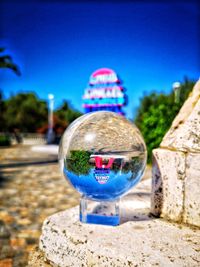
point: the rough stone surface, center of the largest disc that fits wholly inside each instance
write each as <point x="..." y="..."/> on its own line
<point x="37" y="259"/>
<point x="168" y="184"/>
<point x="140" y="240"/>
<point x="176" y="171"/>
<point x="184" y="132"/>
<point x="192" y="190"/>
<point x="148" y="242"/>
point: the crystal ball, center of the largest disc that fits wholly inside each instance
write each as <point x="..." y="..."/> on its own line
<point x="102" y="155"/>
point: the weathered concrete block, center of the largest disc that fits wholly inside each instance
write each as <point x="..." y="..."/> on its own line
<point x="192" y="190"/>
<point x="150" y="242"/>
<point x="184" y="132"/>
<point x="168" y="184"/>
<point x="37" y="259"/>
<point x="176" y="171"/>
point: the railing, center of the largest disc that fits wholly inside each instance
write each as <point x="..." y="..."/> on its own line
<point x="33" y="139"/>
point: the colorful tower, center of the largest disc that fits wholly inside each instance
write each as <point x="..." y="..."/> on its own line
<point x="104" y="92"/>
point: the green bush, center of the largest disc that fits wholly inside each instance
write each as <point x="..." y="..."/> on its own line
<point x="4" y="140"/>
<point x="156" y="113"/>
<point x="78" y="162"/>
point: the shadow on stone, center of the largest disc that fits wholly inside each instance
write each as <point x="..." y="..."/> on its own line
<point x="157" y="189"/>
<point x="144" y="195"/>
<point x="136" y="215"/>
<point x="136" y="207"/>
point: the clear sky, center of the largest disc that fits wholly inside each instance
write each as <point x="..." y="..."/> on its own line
<point x="58" y="45"/>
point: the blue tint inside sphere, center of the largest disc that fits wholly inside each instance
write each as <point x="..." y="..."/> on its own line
<point x="102" y="155"/>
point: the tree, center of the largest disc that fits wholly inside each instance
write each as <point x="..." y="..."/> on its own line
<point x="66" y="113"/>
<point x="62" y="117"/>
<point x="156" y="113"/>
<point x="25" y="112"/>
<point x="6" y="62"/>
<point x="59" y="126"/>
<point x="78" y="162"/>
<point x="2" y="111"/>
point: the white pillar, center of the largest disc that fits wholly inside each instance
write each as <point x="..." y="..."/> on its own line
<point x="50" y="134"/>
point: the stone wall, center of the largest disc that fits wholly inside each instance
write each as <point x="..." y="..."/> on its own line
<point x="176" y="166"/>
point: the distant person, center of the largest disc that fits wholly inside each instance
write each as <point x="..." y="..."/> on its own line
<point x="17" y="136"/>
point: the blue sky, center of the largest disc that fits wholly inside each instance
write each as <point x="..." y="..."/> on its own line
<point x="59" y="44"/>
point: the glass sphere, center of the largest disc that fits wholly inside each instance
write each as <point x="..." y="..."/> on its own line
<point x="103" y="155"/>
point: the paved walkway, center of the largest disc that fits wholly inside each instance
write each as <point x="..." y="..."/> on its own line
<point x="31" y="188"/>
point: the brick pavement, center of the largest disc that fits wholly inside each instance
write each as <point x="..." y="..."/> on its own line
<point x="29" y="193"/>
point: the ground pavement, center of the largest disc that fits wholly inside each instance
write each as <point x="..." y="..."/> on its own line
<point x="31" y="188"/>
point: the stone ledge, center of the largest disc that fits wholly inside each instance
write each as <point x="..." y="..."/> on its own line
<point x="140" y="240"/>
<point x="37" y="259"/>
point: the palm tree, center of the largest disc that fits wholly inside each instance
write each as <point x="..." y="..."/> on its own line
<point x="6" y="62"/>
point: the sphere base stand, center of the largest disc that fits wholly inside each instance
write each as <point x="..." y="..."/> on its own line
<point x="100" y="212"/>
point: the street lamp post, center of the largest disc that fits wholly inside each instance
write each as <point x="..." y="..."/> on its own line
<point x="177" y="90"/>
<point x="50" y="134"/>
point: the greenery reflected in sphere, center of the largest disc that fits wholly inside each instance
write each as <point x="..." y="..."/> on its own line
<point x="103" y="155"/>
